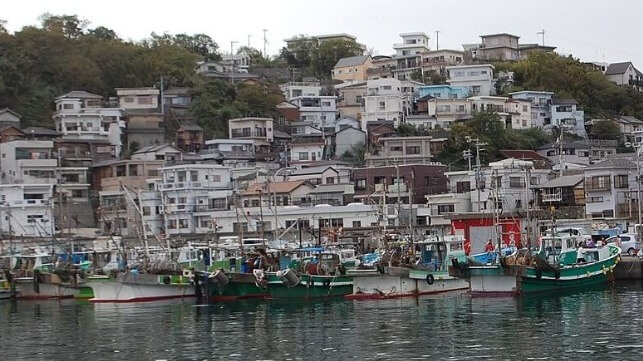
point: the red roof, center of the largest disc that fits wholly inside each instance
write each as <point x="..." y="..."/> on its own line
<point x="523" y="155"/>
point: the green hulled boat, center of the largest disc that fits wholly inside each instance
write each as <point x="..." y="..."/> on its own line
<point x="288" y="285"/>
<point x="559" y="264"/>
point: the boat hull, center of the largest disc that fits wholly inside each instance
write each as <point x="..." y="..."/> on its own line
<point x="491" y="281"/>
<point x="412" y="284"/>
<point x="241" y="286"/>
<point x="141" y="288"/>
<point x="310" y="287"/>
<point x="29" y="290"/>
<point x="529" y="281"/>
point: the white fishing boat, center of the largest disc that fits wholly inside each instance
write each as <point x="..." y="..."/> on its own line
<point x="142" y="287"/>
<point x="36" y="278"/>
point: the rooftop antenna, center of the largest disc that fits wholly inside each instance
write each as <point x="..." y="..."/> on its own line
<point x="437" y="39"/>
<point x="542" y="32"/>
<point x="249" y="36"/>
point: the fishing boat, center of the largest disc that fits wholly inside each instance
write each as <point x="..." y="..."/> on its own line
<point x="6" y="290"/>
<point x="321" y="277"/>
<point x="558" y="264"/>
<point x="132" y="286"/>
<point x="146" y="281"/>
<point x="428" y="275"/>
<point x="37" y="278"/>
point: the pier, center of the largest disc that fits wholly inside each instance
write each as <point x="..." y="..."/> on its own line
<point x="630" y="268"/>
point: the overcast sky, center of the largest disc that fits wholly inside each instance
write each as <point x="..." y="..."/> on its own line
<point x="590" y="30"/>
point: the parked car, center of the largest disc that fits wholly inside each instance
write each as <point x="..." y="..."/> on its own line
<point x="627" y="242"/>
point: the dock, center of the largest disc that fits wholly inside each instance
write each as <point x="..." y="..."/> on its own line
<point x="630" y="268"/>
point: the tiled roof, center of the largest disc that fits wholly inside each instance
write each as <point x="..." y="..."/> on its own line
<point x="80" y="94"/>
<point x="564" y="181"/>
<point x="311" y="170"/>
<point x="274" y="187"/>
<point x="522" y="154"/>
<point x="351" y="61"/>
<point x="617" y="68"/>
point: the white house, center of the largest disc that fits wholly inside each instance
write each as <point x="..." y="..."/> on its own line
<point x="28" y="161"/>
<point x="321" y="110"/>
<point x="347" y="122"/>
<point x="385" y="101"/>
<point x="259" y="130"/>
<point x="565" y="113"/>
<point x="293" y="90"/>
<point x="27" y="210"/>
<point x="138" y="98"/>
<point x="447" y="111"/>
<point x="185" y="190"/>
<point x="81" y="115"/>
<point x="316" y="175"/>
<point x="611" y="189"/>
<point x="540" y="105"/>
<point x="305" y="150"/>
<point x="625" y="74"/>
<point x="477" y="78"/>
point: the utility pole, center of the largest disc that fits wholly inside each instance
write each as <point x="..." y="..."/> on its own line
<point x="437" y="39"/>
<point x="527" y="192"/>
<point x="397" y="185"/>
<point x="232" y="60"/>
<point x="466" y="154"/>
<point x="265" y="42"/>
<point x="478" y="176"/>
<point x="249" y="36"/>
<point x="638" y="182"/>
<point x="560" y="150"/>
<point x="162" y="97"/>
<point x="542" y="32"/>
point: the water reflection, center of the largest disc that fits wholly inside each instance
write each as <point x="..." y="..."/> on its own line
<point x="590" y="324"/>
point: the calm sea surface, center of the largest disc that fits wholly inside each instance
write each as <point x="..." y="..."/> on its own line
<point x="594" y="324"/>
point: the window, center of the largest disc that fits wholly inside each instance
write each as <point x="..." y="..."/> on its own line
<point x="360" y="184"/>
<point x="216" y="178"/>
<point x="77" y="193"/>
<point x="146" y="211"/>
<point x="415" y="149"/>
<point x="357" y="224"/>
<point x="446" y="208"/>
<point x="128" y="100"/>
<point x="386" y="87"/>
<point x="303" y="155"/>
<point x="620" y="181"/>
<point x="325" y="104"/>
<point x="462" y="186"/>
<point x="330" y="180"/>
<point x="68" y="106"/>
<point x="595" y="200"/>
<point x="194" y="176"/>
<point x="524" y="108"/>
<point x="516" y="182"/>
<point x="205" y="223"/>
<point x="382" y="105"/>
<point x="183" y="223"/>
<point x="218" y="203"/>
<point x="146" y="100"/>
<point x="395" y="148"/>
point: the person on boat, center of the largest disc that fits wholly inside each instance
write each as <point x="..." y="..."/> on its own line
<point x="591" y="243"/>
<point x="580" y="255"/>
<point x="489" y="246"/>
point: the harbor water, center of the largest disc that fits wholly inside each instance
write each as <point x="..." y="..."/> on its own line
<point x="605" y="323"/>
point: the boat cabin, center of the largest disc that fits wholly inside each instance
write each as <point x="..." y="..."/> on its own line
<point x="436" y="253"/>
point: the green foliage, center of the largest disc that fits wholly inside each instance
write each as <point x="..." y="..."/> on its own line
<point x="569" y="78"/>
<point x="3" y="26"/>
<point x="39" y="63"/>
<point x="355" y="155"/>
<point x="319" y="60"/>
<point x="431" y="77"/>
<point x="409" y="130"/>
<point x="489" y="128"/>
<point x="605" y="129"/>
<point x="215" y="101"/>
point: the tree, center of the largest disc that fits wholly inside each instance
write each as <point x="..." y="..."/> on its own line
<point x="103" y="33"/>
<point x="408" y="130"/>
<point x="68" y="25"/>
<point x="329" y="52"/>
<point x="355" y="155"/>
<point x="430" y="77"/>
<point x="3" y="26"/>
<point x="200" y="44"/>
<point x="605" y="129"/>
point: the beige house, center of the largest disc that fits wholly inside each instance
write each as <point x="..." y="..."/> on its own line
<point x="351" y="100"/>
<point x="352" y="69"/>
<point x="404" y="150"/>
<point x="288" y="193"/>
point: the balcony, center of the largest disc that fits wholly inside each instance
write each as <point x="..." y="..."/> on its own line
<point x="29" y="202"/>
<point x="210" y="208"/>
<point x="556" y="196"/>
<point x="634" y="82"/>
<point x="249" y="133"/>
<point x="181" y="185"/>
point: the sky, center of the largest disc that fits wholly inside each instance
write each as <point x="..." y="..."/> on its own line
<point x="589" y="30"/>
